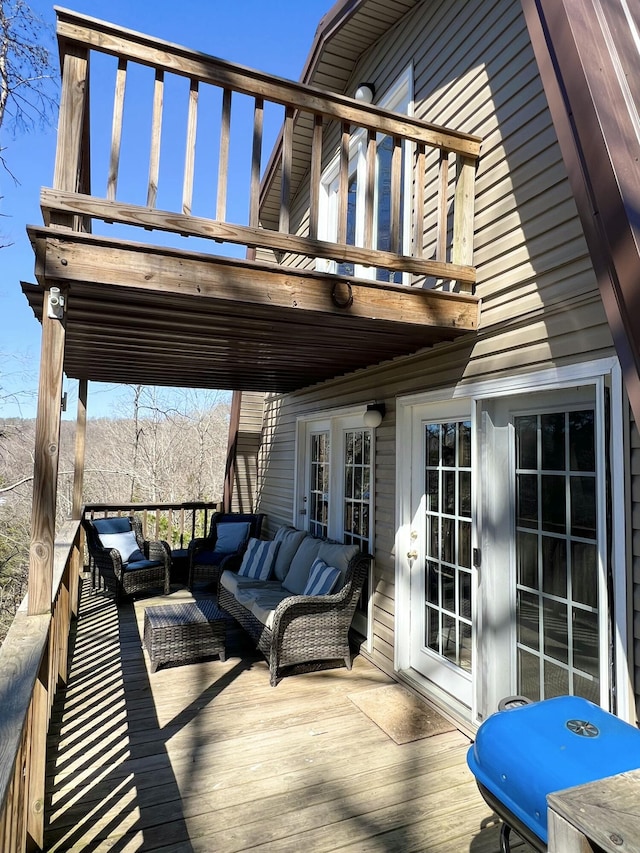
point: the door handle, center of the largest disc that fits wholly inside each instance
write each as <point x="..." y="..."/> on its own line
<point x="412" y="555"/>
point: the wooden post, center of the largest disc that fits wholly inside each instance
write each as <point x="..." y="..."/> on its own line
<point x="81" y="433"/>
<point x="462" y="252"/>
<point x="45" y="468"/>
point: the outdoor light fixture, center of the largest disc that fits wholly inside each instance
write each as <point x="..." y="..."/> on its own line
<point x="374" y="414"/>
<point x="365" y="92"/>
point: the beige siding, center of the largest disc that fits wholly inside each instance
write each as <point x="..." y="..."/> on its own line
<point x="245" y="485"/>
<point x="473" y="70"/>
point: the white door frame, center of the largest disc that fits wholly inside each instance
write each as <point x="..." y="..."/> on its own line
<point x="593" y="372"/>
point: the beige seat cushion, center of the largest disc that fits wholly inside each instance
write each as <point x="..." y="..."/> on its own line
<point x="264" y="606"/>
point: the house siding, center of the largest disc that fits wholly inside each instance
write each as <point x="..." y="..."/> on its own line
<point x="474" y="70"/>
<point x="244" y="497"/>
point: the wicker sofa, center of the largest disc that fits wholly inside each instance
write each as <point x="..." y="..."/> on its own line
<point x="288" y="626"/>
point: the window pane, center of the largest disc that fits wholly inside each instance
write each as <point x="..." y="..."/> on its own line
<point x="528" y="675"/>
<point x="448" y="578"/>
<point x="526" y="442"/>
<point x="448" y="540"/>
<point x="556" y="680"/>
<point x="464" y="594"/>
<point x="554" y="566"/>
<point x="556" y="631"/>
<point x="432" y="630"/>
<point x="449" y="639"/>
<point x="583" y="507"/>
<point x="554" y="518"/>
<point x="464" y="485"/>
<point x="587" y="689"/>
<point x="464" y="544"/>
<point x="585" y="641"/>
<point x="449" y="492"/>
<point x="552" y="430"/>
<point x="448" y="445"/>
<point x="584" y="575"/>
<point x="527" y="498"/>
<point x="432" y="583"/>
<point x="433" y="492"/>
<point x="465" y="646"/>
<point x="527" y="559"/>
<point x="464" y="444"/>
<point x="433" y="445"/>
<point x="528" y="619"/>
<point x="582" y="441"/>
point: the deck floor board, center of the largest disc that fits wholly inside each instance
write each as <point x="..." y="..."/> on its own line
<point x="206" y="757"/>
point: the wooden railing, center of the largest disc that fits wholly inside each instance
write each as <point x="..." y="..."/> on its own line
<point x="33" y="663"/>
<point x="314" y="124"/>
<point x="176" y="523"/>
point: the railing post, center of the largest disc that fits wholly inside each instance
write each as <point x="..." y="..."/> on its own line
<point x="45" y="469"/>
<point x="72" y="126"/>
<point x="462" y="252"/>
<point x="39" y="719"/>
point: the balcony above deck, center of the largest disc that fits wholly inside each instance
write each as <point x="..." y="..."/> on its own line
<point x="270" y="307"/>
<point x="175" y="318"/>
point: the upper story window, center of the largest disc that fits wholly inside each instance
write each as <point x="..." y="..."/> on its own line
<point x="399" y="99"/>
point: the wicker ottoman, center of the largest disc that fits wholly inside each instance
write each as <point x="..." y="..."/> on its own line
<point x="182" y="632"/>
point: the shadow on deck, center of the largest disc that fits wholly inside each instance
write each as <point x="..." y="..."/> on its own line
<point x="208" y="757"/>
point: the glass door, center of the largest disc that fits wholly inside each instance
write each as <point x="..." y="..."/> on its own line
<point x="441" y="567"/>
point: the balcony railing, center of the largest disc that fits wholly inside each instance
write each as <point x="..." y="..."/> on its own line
<point x="152" y="181"/>
<point x="33" y="663"/>
<point x="176" y="523"/>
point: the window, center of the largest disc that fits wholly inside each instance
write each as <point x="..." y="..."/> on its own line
<point x="334" y="486"/>
<point x="398" y="99"/>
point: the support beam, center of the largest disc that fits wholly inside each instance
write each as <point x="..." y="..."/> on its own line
<point x="45" y="469"/>
<point x="81" y="433"/>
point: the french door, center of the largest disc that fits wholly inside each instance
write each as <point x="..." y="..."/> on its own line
<point x="441" y="566"/>
<point x="335" y="488"/>
<point x="507" y="548"/>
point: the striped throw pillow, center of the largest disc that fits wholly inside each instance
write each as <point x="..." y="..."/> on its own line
<point x="322" y="578"/>
<point x="259" y="559"/>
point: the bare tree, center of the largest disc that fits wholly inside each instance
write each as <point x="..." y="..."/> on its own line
<point x="28" y="76"/>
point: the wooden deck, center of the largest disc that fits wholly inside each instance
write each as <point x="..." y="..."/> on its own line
<point x="207" y="757"/>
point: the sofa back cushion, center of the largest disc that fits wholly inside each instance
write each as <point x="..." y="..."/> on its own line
<point x="289" y="539"/>
<point x="298" y="574"/>
<point x="231" y="536"/>
<point x="338" y="555"/>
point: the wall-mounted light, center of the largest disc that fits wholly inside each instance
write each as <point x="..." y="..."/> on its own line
<point x="365" y="92"/>
<point x="374" y="414"/>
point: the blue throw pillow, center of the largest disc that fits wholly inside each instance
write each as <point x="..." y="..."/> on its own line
<point x="259" y="559"/>
<point x="231" y="536"/>
<point x="322" y="579"/>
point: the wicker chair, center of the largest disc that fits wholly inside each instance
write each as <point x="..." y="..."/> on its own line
<point x="146" y="569"/>
<point x="206" y="562"/>
<point x="305" y="627"/>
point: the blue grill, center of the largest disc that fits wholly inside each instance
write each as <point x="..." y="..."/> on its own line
<point x="522" y="754"/>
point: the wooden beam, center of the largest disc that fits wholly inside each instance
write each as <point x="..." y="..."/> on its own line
<point x="262" y="237"/>
<point x="85" y="258"/>
<point x="81" y="432"/>
<point x="45" y="469"/>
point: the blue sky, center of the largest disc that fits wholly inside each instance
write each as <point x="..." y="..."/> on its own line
<point x="270" y="35"/>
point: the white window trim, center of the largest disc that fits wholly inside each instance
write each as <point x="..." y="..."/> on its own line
<point x="591" y="372"/>
<point x="400" y="92"/>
